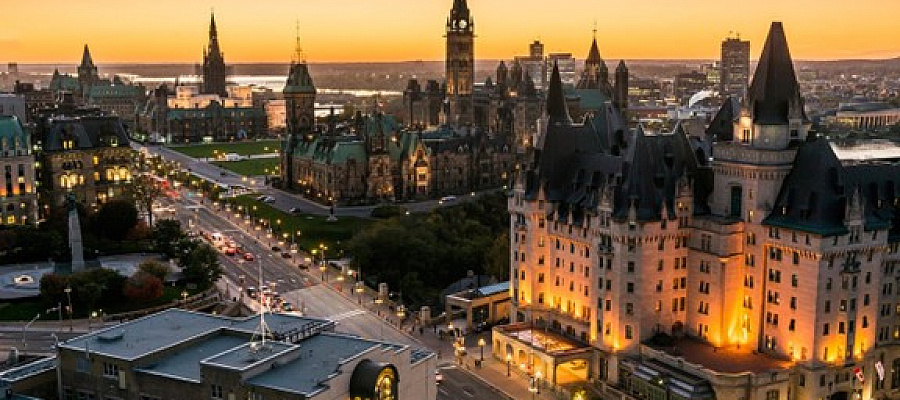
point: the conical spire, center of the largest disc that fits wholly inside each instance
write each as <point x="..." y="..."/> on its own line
<point x="556" y="100"/>
<point x="213" y="33"/>
<point x="594" y="54"/>
<point x="774" y="94"/>
<point x="86" y="59"/>
<point x="299" y="50"/>
<point x="621" y="67"/>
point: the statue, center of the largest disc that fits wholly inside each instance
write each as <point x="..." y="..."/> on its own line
<point x="75" y="243"/>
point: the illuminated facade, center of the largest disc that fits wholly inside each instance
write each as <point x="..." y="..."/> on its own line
<point x="84" y="155"/>
<point x="763" y="264"/>
<point x="18" y="195"/>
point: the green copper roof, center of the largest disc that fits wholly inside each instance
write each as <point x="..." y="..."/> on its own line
<point x="588" y="99"/>
<point x="299" y="80"/>
<point x="65" y="83"/>
<point x="12" y="135"/>
<point x="112" y="91"/>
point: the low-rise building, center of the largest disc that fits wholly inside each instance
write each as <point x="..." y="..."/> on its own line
<point x="179" y="354"/>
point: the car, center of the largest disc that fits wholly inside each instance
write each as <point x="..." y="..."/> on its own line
<point x="276" y="248"/>
<point x="230" y="251"/>
<point x="287" y="306"/>
<point x="261" y="198"/>
<point x="286" y="255"/>
<point x="252" y="292"/>
<point x="268" y="199"/>
<point x="438" y="377"/>
<point x="249" y="256"/>
<point x="448" y="199"/>
<point x="296" y="210"/>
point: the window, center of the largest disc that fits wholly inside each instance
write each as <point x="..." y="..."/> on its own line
<point x="110" y="370"/>
<point x="628" y="333"/>
<point x="216" y="392"/>
<point x="825" y="330"/>
<point x="772" y="394"/>
<point x="629" y="308"/>
<point x="791" y="325"/>
<point x="630" y="287"/>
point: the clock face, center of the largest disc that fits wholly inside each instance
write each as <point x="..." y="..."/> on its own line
<point x="462" y="24"/>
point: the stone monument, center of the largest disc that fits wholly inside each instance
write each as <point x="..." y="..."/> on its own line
<point x="75" y="235"/>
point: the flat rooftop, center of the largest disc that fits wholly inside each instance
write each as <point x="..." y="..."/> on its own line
<point x="185" y="364"/>
<point x="321" y="358"/>
<point x="548" y="341"/>
<point x="134" y="339"/>
<point x="867" y="150"/>
<point x="728" y="359"/>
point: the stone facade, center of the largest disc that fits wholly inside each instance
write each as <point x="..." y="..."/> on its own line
<point x="766" y="269"/>
<point x="18" y="192"/>
<point x="85" y="155"/>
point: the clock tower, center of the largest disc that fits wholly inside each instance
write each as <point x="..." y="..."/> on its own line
<point x="460" y="64"/>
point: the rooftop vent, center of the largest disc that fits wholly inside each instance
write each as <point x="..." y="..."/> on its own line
<point x="111" y="336"/>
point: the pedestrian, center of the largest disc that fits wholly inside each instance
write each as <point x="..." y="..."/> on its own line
<point x="421" y="331"/>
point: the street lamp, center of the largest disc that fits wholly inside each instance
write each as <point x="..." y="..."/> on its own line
<point x="508" y="360"/>
<point x="184" y="295"/>
<point x="25" y="329"/>
<point x="481" y="346"/>
<point x="68" y="291"/>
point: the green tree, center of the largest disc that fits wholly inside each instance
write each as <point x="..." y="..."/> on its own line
<point x="155" y="268"/>
<point x="200" y="265"/>
<point x="497" y="258"/>
<point x="166" y="234"/>
<point x="146" y="192"/>
<point x="115" y="219"/>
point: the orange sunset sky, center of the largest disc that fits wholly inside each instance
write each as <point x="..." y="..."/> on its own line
<point x="53" y="31"/>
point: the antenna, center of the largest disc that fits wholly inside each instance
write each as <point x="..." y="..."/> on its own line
<point x="263" y="328"/>
<point x="595" y="29"/>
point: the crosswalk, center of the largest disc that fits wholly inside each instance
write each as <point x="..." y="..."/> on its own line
<point x="348" y="314"/>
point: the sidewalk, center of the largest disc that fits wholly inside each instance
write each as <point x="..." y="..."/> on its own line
<point x="492" y="371"/>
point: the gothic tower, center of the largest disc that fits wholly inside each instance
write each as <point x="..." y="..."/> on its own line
<point x="87" y="71"/>
<point x="620" y="98"/>
<point x="300" y="103"/>
<point x="214" y="70"/>
<point x="460" y="64"/>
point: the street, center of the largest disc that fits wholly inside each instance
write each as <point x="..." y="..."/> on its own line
<point x="355" y="314"/>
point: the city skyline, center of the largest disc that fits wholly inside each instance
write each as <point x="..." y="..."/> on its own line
<point x="374" y="31"/>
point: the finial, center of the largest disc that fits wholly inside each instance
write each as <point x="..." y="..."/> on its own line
<point x="595" y="29"/>
<point x="300" y="57"/>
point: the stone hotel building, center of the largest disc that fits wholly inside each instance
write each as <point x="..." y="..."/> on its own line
<point x="759" y="262"/>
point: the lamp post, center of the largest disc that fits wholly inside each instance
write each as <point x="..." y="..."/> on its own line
<point x="25" y="329"/>
<point x="481" y="344"/>
<point x="508" y="360"/>
<point x="184" y="295"/>
<point x="68" y="291"/>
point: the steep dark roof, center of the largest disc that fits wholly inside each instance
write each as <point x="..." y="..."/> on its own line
<point x="721" y="128"/>
<point x="594" y="54"/>
<point x="87" y="132"/>
<point x="774" y="95"/>
<point x="816" y="193"/>
<point x="86" y="59"/>
<point x="557" y="110"/>
<point x="652" y="169"/>
<point x="299" y="80"/>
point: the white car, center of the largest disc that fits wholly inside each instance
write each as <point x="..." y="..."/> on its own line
<point x="438" y="377"/>
<point x="268" y="199"/>
<point x="447" y="199"/>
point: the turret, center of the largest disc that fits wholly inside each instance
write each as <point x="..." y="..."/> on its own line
<point x="620" y="99"/>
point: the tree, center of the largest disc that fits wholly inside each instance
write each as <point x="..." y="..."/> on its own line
<point x="166" y="234"/>
<point x="200" y="264"/>
<point x="155" y="268"/>
<point x="53" y="288"/>
<point x="115" y="219"/>
<point x="497" y="258"/>
<point x="143" y="287"/>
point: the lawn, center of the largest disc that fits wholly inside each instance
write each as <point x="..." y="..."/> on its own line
<point x="252" y="167"/>
<point x="314" y="229"/>
<point x="242" y="148"/>
<point x="26" y="309"/>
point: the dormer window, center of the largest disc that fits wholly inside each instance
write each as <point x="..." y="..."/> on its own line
<point x="795" y="133"/>
<point x="745" y="137"/>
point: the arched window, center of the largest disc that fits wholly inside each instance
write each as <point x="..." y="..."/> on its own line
<point x="64" y="181"/>
<point x="110" y="174"/>
<point x="124" y="174"/>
